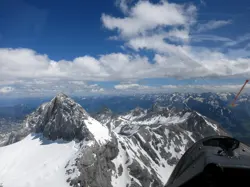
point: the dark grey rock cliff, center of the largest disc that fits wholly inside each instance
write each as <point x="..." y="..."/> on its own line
<point x="60" y="118"/>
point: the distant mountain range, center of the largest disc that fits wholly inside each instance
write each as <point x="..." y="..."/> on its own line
<point x="60" y="144"/>
<point x="216" y="106"/>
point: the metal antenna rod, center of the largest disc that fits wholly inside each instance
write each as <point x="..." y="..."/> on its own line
<point x="236" y="97"/>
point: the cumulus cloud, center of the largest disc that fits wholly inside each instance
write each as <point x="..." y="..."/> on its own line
<point x="174" y="57"/>
<point x="212" y="24"/>
<point x="123" y="5"/>
<point x="18" y="64"/>
<point x="25" y="64"/>
<point x="163" y="28"/>
<point x="145" y="16"/>
<point x="5" y="90"/>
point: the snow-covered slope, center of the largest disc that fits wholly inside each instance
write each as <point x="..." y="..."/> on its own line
<point x="61" y="145"/>
<point x="35" y="161"/>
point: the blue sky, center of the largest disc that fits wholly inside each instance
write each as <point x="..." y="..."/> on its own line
<point x="123" y="46"/>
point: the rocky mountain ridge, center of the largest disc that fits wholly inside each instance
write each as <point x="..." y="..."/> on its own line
<point x="136" y="149"/>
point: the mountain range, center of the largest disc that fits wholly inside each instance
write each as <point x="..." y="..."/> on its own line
<point x="216" y="106"/>
<point x="61" y="144"/>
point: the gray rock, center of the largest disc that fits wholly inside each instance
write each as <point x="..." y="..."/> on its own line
<point x="153" y="143"/>
<point x="96" y="166"/>
<point x="60" y="118"/>
<point x="120" y="170"/>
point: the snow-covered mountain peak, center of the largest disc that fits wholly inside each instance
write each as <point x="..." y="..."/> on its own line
<point x="62" y="96"/>
<point x="66" y="104"/>
<point x="137" y="112"/>
<point x="63" y="118"/>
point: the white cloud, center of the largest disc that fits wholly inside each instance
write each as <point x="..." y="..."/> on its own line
<point x="23" y="65"/>
<point x="205" y="88"/>
<point x="5" y="90"/>
<point x="174" y="57"/>
<point x="16" y="63"/>
<point x="206" y="37"/>
<point x="131" y="86"/>
<point x="123" y="5"/>
<point x="212" y="24"/>
<point x="77" y="82"/>
<point x="162" y="28"/>
<point x="145" y="16"/>
<point x="155" y="42"/>
<point x="51" y="87"/>
<point x="97" y="90"/>
<point x="137" y="88"/>
<point x="178" y="35"/>
<point x="239" y="40"/>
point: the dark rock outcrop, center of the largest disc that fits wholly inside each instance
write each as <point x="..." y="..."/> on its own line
<point x="60" y="118"/>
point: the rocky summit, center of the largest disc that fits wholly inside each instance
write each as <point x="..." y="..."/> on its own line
<point x="60" y="118"/>
<point x="137" y="149"/>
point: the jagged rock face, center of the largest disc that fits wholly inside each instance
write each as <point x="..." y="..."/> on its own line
<point x="94" y="164"/>
<point x="60" y="118"/>
<point x="152" y="141"/>
<point x="104" y="116"/>
<point x="14" y="137"/>
<point x="99" y="172"/>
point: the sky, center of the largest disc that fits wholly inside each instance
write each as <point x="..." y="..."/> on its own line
<point x="123" y="46"/>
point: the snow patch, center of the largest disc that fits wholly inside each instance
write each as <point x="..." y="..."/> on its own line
<point x="120" y="160"/>
<point x="200" y="99"/>
<point x="99" y="131"/>
<point x="209" y="123"/>
<point x="162" y="120"/>
<point x="190" y="135"/>
<point x="212" y="125"/>
<point x="35" y="162"/>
